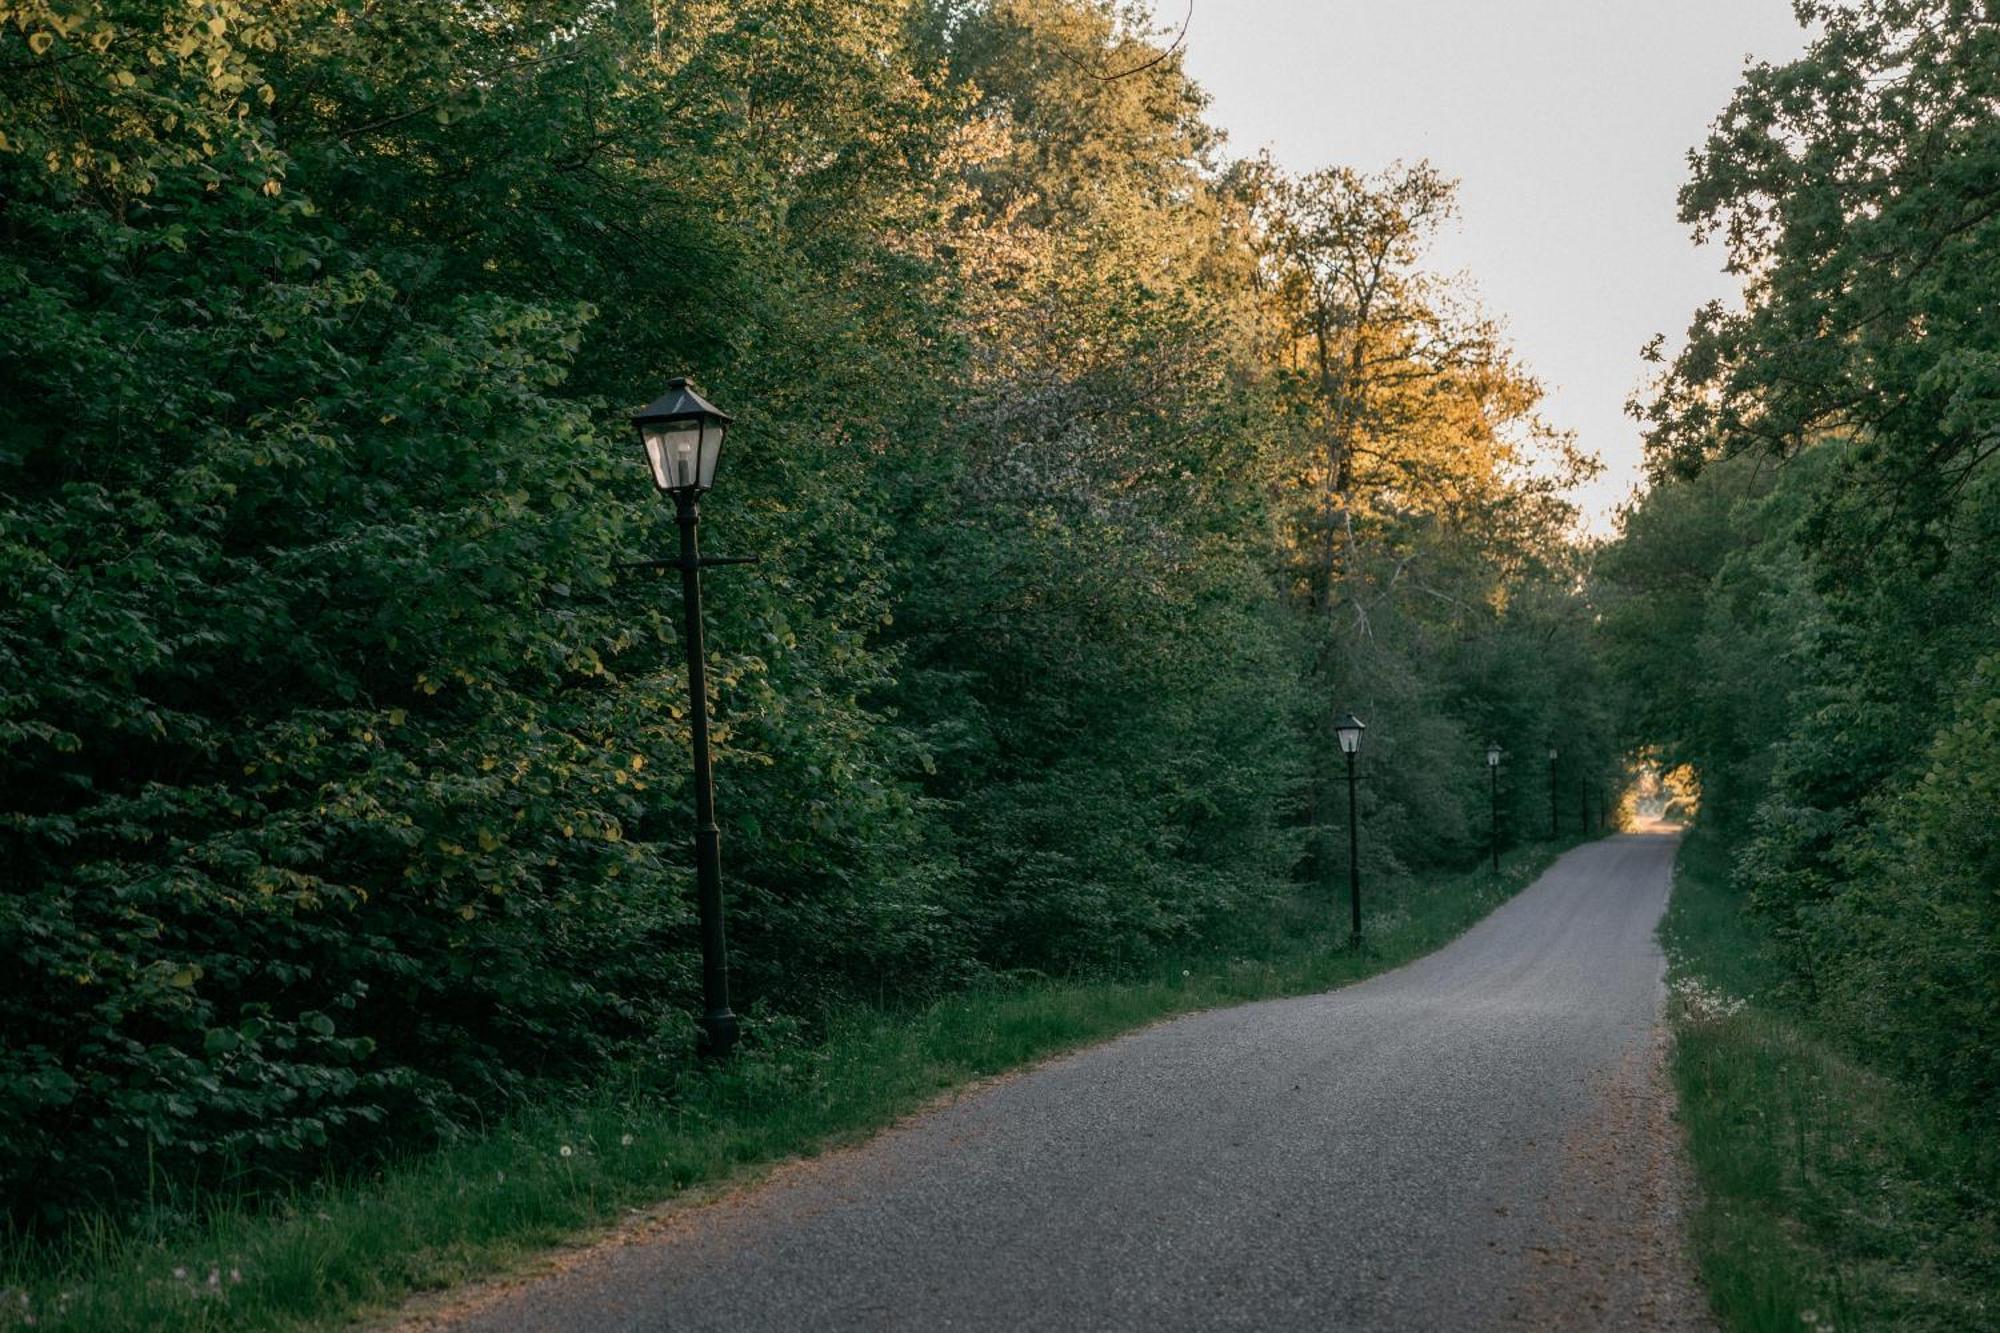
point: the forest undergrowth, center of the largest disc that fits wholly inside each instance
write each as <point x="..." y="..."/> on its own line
<point x="1829" y="1196"/>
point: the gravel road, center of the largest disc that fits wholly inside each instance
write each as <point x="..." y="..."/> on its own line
<point x="1480" y="1139"/>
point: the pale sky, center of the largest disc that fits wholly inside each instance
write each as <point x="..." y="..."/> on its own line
<point x="1568" y="123"/>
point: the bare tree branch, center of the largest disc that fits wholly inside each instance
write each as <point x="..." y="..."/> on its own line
<point x="1143" y="66"/>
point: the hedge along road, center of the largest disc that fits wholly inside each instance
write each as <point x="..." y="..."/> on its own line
<point x="1479" y="1139"/>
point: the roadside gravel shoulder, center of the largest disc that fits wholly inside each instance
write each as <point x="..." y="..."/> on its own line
<point x="1616" y="1256"/>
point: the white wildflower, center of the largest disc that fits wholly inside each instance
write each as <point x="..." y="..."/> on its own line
<point x="1703" y="1003"/>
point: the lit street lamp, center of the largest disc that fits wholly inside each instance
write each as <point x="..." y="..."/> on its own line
<point x="1349" y="730"/>
<point x="1493" y="773"/>
<point x="1555" y="824"/>
<point x="682" y="434"/>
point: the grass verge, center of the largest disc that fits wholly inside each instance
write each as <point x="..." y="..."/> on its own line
<point x="345" y="1249"/>
<point x="1831" y="1197"/>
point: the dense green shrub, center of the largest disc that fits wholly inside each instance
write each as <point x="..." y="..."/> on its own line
<point x="343" y="776"/>
<point x="1915" y="928"/>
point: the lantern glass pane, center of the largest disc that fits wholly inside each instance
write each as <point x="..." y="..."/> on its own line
<point x="1493" y="756"/>
<point x="711" y="449"/>
<point x="673" y="451"/>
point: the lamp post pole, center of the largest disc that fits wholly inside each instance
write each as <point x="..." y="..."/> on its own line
<point x="1493" y="813"/>
<point x="1493" y="801"/>
<point x="1555" y="821"/>
<point x="1583" y="805"/>
<point x="1353" y="855"/>
<point x="717" y="1020"/>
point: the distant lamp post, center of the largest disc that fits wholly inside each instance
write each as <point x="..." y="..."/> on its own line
<point x="682" y="434"/>
<point x="1349" y="730"/>
<point x="1493" y="803"/>
<point x="1555" y="822"/>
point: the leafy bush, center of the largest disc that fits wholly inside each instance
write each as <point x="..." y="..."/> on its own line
<point x="1915" y="929"/>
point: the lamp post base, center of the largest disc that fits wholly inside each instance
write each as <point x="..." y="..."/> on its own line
<point x="718" y="1034"/>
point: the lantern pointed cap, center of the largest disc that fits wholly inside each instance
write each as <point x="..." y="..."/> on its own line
<point x="679" y="403"/>
<point x="1348" y="730"/>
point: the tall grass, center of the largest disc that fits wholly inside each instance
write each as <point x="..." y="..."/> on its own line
<point x="1831" y="1197"/>
<point x="554" y="1173"/>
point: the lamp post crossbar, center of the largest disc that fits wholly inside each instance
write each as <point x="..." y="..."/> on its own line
<point x="703" y="562"/>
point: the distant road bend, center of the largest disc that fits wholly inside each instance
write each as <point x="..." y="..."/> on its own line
<point x="1478" y="1140"/>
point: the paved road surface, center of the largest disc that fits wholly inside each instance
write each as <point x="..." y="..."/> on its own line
<point x="1476" y="1140"/>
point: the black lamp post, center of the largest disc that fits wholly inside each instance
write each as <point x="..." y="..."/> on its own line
<point x="1555" y="824"/>
<point x="682" y="433"/>
<point x="1493" y="774"/>
<point x="1349" y="730"/>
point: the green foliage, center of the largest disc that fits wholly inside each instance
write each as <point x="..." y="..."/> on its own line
<point x="340" y="769"/>
<point x="1830" y="1196"/>
<point x="1853" y="189"/>
<point x="1919" y="914"/>
<point x="1834" y="724"/>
